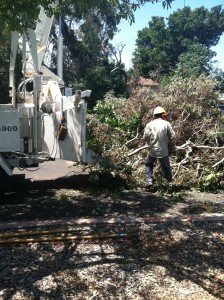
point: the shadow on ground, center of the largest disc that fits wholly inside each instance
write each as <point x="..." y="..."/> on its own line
<point x="71" y="197"/>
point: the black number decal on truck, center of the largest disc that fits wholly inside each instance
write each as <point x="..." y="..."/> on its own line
<point x="8" y="128"/>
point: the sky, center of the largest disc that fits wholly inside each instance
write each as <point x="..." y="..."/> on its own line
<point x="128" y="33"/>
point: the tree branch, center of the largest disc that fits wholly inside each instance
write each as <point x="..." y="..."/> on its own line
<point x="137" y="150"/>
<point x="218" y="163"/>
<point x="135" y="138"/>
<point x="189" y="143"/>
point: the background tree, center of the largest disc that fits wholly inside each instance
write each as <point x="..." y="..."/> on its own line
<point x="19" y="15"/>
<point x="154" y="48"/>
<point x="89" y="59"/>
<point x="194" y="62"/>
<point x="160" y="45"/>
<point x="87" y="55"/>
<point x="219" y="75"/>
<point x="4" y="65"/>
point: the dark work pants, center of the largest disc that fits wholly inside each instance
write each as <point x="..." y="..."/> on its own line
<point x="165" y="164"/>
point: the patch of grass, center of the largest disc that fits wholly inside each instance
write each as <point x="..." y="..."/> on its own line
<point x="176" y="196"/>
<point x="201" y="207"/>
<point x="60" y="196"/>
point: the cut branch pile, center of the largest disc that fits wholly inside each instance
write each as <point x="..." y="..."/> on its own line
<point x="197" y="155"/>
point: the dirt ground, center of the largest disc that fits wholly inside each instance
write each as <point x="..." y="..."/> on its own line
<point x="60" y="190"/>
<point x="158" y="261"/>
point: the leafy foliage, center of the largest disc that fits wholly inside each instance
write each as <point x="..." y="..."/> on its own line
<point x="194" y="62"/>
<point x="19" y="14"/>
<point x="116" y="127"/>
<point x="87" y="57"/>
<point x="4" y="65"/>
<point x="113" y="119"/>
<point x="185" y="32"/>
<point x="100" y="80"/>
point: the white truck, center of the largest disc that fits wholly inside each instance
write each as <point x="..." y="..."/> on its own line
<point x="40" y="123"/>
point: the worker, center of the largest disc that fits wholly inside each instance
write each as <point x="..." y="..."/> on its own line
<point x="157" y="134"/>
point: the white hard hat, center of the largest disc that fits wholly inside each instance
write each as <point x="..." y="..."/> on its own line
<point x="159" y="110"/>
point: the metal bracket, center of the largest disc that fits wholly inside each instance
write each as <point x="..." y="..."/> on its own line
<point x="5" y="166"/>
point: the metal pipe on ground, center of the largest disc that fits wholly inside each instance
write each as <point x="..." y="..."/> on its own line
<point x="62" y="239"/>
<point x="38" y="232"/>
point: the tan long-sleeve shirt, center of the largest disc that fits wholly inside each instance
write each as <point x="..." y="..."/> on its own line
<point x="157" y="135"/>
